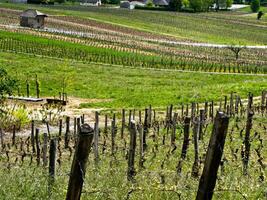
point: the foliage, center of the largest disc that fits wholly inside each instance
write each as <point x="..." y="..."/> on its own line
<point x="13" y="115"/>
<point x="185" y="3"/>
<point x="255" y="5"/>
<point x="175" y="5"/>
<point x="7" y="83"/>
<point x="229" y="3"/>
<point x="150" y="3"/>
<point x="200" y="5"/>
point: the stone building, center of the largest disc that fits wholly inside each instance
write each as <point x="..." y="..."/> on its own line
<point x="32" y="18"/>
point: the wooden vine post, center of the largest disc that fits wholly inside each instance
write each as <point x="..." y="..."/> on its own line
<point x="67" y="133"/>
<point x="32" y="137"/>
<point x="96" y="135"/>
<point x="122" y="123"/>
<point x="52" y="159"/>
<point x="78" y="168"/>
<point x="213" y="158"/>
<point x="45" y="150"/>
<point x="38" y="151"/>
<point x="250" y="114"/>
<point x="131" y="170"/>
<point x="196" y="130"/>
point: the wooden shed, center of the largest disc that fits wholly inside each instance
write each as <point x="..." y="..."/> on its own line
<point x="32" y="18"/>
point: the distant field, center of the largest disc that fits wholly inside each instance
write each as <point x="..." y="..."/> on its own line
<point x="222" y="27"/>
<point x="127" y="87"/>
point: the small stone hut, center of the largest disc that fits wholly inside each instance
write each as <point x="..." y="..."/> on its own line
<point x="32" y="18"/>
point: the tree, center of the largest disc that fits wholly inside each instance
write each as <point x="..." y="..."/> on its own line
<point x="7" y="83"/>
<point x="200" y="5"/>
<point x="175" y="5"/>
<point x="255" y="5"/>
<point x="229" y="3"/>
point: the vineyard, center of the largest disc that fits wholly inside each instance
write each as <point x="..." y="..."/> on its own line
<point x="92" y="41"/>
<point x="109" y="103"/>
<point x="170" y="151"/>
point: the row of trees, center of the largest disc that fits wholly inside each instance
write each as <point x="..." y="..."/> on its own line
<point x="199" y="5"/>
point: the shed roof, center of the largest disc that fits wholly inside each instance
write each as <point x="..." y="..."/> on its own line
<point x="161" y="2"/>
<point x="32" y="13"/>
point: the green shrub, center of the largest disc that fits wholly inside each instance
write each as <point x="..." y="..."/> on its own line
<point x="175" y="5"/>
<point x="229" y="3"/>
<point x="255" y="5"/>
<point x="7" y="83"/>
<point x="200" y="5"/>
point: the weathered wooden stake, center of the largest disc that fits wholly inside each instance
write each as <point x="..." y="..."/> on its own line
<point x="196" y="130"/>
<point x="213" y="158"/>
<point x="145" y="129"/>
<point x="113" y="134"/>
<point x="52" y="159"/>
<point x="78" y="168"/>
<point x="186" y="137"/>
<point x="60" y="128"/>
<point x="14" y="135"/>
<point x="131" y="170"/>
<point x="38" y="151"/>
<point x="96" y="135"/>
<point x="173" y="134"/>
<point x="45" y="150"/>
<point x="32" y="137"/>
<point x="67" y="133"/>
<point x="250" y="114"/>
<point x="2" y="138"/>
<point x="122" y="123"/>
<point x="202" y="121"/>
<point x="141" y="146"/>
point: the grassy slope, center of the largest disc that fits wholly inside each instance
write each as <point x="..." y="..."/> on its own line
<point x="198" y="27"/>
<point x="128" y="87"/>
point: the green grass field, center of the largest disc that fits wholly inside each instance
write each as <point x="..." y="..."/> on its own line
<point x="127" y="87"/>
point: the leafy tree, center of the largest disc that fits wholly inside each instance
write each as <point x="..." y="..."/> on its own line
<point x="175" y="5"/>
<point x="255" y="5"/>
<point x="229" y="3"/>
<point x="200" y="5"/>
<point x="7" y="83"/>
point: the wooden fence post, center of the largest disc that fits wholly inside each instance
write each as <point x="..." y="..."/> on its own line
<point x="213" y="158"/>
<point x="250" y="114"/>
<point x="2" y="138"/>
<point x="75" y="126"/>
<point x="45" y="150"/>
<point x="67" y="132"/>
<point x="38" y="151"/>
<point x="202" y="121"/>
<point x="141" y="145"/>
<point x="27" y="88"/>
<point x="113" y="134"/>
<point x="52" y="159"/>
<point x="96" y="134"/>
<point x="145" y="129"/>
<point x="78" y="168"/>
<point x="173" y="134"/>
<point x="14" y="135"/>
<point x="225" y="103"/>
<point x="186" y="137"/>
<point x="185" y="144"/>
<point x="32" y="137"/>
<point x="60" y="128"/>
<point x="196" y="130"/>
<point x="122" y="123"/>
<point x="131" y="170"/>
